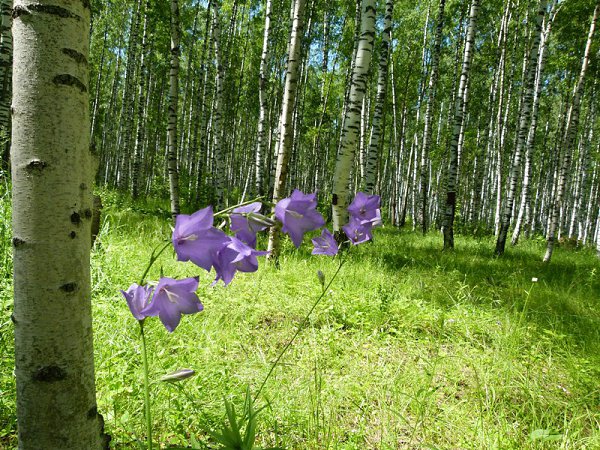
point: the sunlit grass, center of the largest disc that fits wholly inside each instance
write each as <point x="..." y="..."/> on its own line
<point x="410" y="348"/>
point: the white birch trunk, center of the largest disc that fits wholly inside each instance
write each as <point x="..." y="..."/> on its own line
<point x="345" y="158"/>
<point x="5" y="68"/>
<point x="263" y="80"/>
<point x="524" y="123"/>
<point x="173" y="101"/>
<point x="570" y="135"/>
<point x="427" y="130"/>
<point x="377" y="125"/>
<point x="452" y="178"/>
<point x="286" y="120"/>
<point x="217" y="119"/>
<point x="52" y="211"/>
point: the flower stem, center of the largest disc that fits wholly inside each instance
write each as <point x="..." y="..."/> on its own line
<point x="153" y="259"/>
<point x="231" y="208"/>
<point x="146" y="387"/>
<point x="300" y="327"/>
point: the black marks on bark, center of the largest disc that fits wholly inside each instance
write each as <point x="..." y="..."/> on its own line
<point x="19" y="11"/>
<point x="87" y="213"/>
<point x="69" y="287"/>
<point x="17" y="242"/>
<point x="86" y="4"/>
<point x="334" y="199"/>
<point x="83" y="186"/>
<point x="74" y="54"/>
<point x="92" y="412"/>
<point x="66" y="79"/>
<point x="72" y="235"/>
<point x="75" y="218"/>
<point x="49" y="374"/>
<point x="52" y="10"/>
<point x="36" y="166"/>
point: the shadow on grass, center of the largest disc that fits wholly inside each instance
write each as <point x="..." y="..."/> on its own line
<point x="565" y="299"/>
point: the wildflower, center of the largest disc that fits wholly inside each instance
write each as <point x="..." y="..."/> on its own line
<point x="172" y="298"/>
<point x="195" y="239"/>
<point x="137" y="299"/>
<point x="357" y="231"/>
<point x="298" y="214"/>
<point x="321" y="277"/>
<point x="246" y="221"/>
<point x="233" y="257"/>
<point x="325" y="244"/>
<point x="366" y="208"/>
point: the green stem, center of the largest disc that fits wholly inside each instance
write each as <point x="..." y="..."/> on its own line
<point x="231" y="208"/>
<point x="153" y="259"/>
<point x="146" y="387"/>
<point x="300" y="327"/>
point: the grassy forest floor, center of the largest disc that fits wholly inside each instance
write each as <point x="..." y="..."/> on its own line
<point x="410" y="348"/>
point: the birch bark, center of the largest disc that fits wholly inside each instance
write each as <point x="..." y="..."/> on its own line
<point x="52" y="211"/>
<point x="345" y="158"/>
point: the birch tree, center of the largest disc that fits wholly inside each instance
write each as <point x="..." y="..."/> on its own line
<point x="377" y="124"/>
<point x="173" y="102"/>
<point x="5" y="69"/>
<point x="286" y="123"/>
<point x="427" y="130"/>
<point x="452" y="177"/>
<point x="52" y="211"/>
<point x="350" y="132"/>
<point x="263" y="79"/>
<point x="523" y="128"/>
<point x="570" y="136"/>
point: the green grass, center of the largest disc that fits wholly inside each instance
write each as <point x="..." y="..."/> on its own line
<point x="410" y="348"/>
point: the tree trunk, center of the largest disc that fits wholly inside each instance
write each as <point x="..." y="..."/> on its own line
<point x="570" y="135"/>
<point x="427" y="130"/>
<point x="524" y="122"/>
<point x="52" y="211"/>
<point x="345" y="158"/>
<point x="173" y="100"/>
<point x="5" y="74"/>
<point x="378" y="116"/>
<point x="263" y="79"/>
<point x="286" y="122"/>
<point x="452" y="179"/>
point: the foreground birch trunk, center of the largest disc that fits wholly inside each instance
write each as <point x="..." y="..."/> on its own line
<point x="286" y="122"/>
<point x="52" y="211"/>
<point x="350" y="133"/>
<point x="569" y="142"/>
<point x="452" y="177"/>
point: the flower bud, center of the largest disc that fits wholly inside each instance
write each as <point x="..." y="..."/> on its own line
<point x="178" y="375"/>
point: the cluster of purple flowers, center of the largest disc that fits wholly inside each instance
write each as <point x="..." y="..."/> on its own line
<point x="196" y="239"/>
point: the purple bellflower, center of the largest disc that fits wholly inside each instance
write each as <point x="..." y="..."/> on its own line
<point x="365" y="208"/>
<point x="233" y="257"/>
<point x="357" y="231"/>
<point x="325" y="244"/>
<point x="298" y="214"/>
<point x="137" y="298"/>
<point x="195" y="239"/>
<point x="246" y="221"/>
<point x="172" y="298"/>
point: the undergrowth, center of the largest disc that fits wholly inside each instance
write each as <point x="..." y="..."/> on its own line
<point x="411" y="347"/>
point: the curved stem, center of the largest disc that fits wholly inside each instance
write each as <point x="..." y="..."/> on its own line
<point x="153" y="259"/>
<point x="146" y="387"/>
<point x="300" y="327"/>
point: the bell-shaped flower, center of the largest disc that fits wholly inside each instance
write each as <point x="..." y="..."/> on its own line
<point x="246" y="221"/>
<point x="137" y="298"/>
<point x="298" y="215"/>
<point x="357" y="231"/>
<point x="195" y="239"/>
<point x="233" y="257"/>
<point x="172" y="298"/>
<point x="365" y="208"/>
<point x="325" y="244"/>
